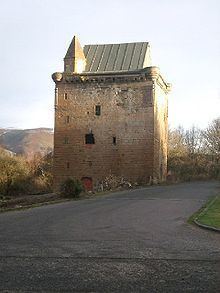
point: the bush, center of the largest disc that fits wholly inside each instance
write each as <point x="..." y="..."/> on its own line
<point x="13" y="173"/>
<point x="195" y="154"/>
<point x="71" y="188"/>
<point x="19" y="176"/>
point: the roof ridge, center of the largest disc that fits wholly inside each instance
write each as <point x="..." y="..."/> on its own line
<point x="115" y="43"/>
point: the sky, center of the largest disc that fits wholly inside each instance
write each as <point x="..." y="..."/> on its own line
<point x="184" y="38"/>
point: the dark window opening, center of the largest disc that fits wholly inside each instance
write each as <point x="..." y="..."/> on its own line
<point x="89" y="138"/>
<point x="98" y="110"/>
<point x="114" y="140"/>
<point x="67" y="165"/>
<point x="66" y="140"/>
<point x="67" y="119"/>
<point x="65" y="96"/>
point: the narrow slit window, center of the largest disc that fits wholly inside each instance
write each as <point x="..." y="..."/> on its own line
<point x="65" y="96"/>
<point x="89" y="138"/>
<point x="67" y="119"/>
<point x="66" y="140"/>
<point x="68" y="165"/>
<point x="98" y="110"/>
<point x="114" y="140"/>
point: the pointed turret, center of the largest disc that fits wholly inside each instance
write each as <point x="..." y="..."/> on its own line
<point x="74" y="60"/>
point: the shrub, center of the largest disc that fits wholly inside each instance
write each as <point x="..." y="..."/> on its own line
<point x="41" y="179"/>
<point x="13" y="173"/>
<point x="19" y="176"/>
<point x="71" y="188"/>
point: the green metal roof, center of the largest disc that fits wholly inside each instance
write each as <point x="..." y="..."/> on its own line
<point x="117" y="57"/>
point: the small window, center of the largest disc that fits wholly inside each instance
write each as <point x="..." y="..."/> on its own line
<point x="98" y="110"/>
<point x="114" y="140"/>
<point x="89" y="138"/>
<point x="67" y="119"/>
<point x="68" y="165"/>
<point x="66" y="140"/>
<point x="65" y="96"/>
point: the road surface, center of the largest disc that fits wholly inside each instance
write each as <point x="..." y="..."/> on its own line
<point x="130" y="241"/>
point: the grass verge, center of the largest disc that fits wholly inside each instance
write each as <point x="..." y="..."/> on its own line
<point x="211" y="215"/>
<point x="208" y="215"/>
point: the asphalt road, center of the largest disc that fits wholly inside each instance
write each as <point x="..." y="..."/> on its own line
<point x="132" y="241"/>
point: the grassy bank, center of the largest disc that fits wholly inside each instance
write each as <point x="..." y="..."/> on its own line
<point x="210" y="216"/>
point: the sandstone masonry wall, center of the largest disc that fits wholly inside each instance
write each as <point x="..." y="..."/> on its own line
<point x="127" y="113"/>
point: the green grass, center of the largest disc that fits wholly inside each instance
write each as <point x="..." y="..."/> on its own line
<point x="210" y="216"/>
<point x="194" y="216"/>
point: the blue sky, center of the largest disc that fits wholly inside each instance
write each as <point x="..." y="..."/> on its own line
<point x="184" y="37"/>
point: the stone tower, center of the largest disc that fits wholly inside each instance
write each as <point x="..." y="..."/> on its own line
<point x="111" y="111"/>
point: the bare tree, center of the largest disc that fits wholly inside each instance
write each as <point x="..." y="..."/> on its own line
<point x="191" y="152"/>
<point x="193" y="141"/>
<point x="176" y="146"/>
<point x="212" y="139"/>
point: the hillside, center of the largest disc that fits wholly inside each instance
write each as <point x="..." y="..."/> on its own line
<point x="27" y="141"/>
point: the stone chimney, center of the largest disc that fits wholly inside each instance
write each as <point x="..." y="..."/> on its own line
<point x="74" y="61"/>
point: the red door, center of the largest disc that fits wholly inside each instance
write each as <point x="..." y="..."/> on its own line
<point x="87" y="183"/>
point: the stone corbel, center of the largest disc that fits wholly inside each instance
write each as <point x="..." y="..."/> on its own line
<point x="57" y="76"/>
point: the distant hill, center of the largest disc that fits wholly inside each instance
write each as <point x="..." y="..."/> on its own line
<point x="27" y="141"/>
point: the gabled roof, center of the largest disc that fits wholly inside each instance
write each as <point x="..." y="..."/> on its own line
<point x="117" y="57"/>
